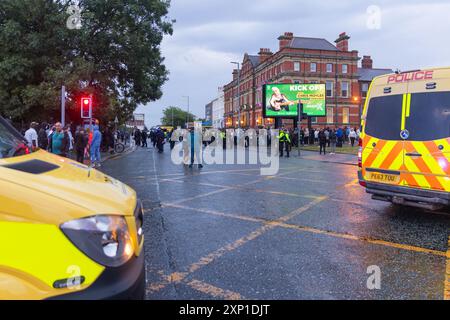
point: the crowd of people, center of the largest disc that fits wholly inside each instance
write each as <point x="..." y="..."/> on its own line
<point x="324" y="138"/>
<point x="158" y="138"/>
<point x="84" y="145"/>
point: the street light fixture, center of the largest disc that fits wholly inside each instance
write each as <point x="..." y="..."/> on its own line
<point x="239" y="92"/>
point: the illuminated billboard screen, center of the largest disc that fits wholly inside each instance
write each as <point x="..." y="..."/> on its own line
<point x="281" y="100"/>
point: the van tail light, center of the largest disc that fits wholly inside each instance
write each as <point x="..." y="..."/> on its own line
<point x="360" y="153"/>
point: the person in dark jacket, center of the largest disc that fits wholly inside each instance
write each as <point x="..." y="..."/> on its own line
<point x="322" y="141"/>
<point x="311" y="136"/>
<point x="137" y="137"/>
<point x="160" y="140"/>
<point x="42" y="137"/>
<point x="144" y="137"/>
<point x="81" y="142"/>
<point x="333" y="139"/>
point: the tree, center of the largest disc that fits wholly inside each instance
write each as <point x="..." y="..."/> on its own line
<point x="115" y="56"/>
<point x="179" y="117"/>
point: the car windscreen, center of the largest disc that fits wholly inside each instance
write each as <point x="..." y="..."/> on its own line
<point x="384" y="117"/>
<point x="11" y="144"/>
<point x="429" y="116"/>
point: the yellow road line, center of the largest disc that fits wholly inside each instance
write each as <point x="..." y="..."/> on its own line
<point x="447" y="275"/>
<point x="277" y="223"/>
<point x="201" y="195"/>
<point x="368" y="240"/>
<point x="198" y="285"/>
<point x="215" y="213"/>
<point x="243" y="188"/>
<point x="208" y="259"/>
<point x="214" y="291"/>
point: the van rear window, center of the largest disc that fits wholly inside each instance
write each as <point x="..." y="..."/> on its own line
<point x="429" y="116"/>
<point x="384" y="117"/>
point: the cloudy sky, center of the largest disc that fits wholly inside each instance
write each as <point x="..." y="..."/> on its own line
<point x="208" y="34"/>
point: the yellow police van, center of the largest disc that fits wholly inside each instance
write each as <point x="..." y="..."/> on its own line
<point x="405" y="142"/>
<point x="66" y="231"/>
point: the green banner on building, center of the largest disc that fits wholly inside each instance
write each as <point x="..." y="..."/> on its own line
<point x="282" y="100"/>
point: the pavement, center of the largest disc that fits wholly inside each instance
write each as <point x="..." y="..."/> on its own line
<point x="309" y="232"/>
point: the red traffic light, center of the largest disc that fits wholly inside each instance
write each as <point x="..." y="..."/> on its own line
<point x="86" y="107"/>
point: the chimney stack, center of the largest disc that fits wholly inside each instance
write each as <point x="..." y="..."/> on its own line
<point x="264" y="54"/>
<point x="367" y="62"/>
<point x="342" y="42"/>
<point x="285" y="39"/>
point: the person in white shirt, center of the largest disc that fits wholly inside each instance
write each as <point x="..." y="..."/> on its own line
<point x="31" y="136"/>
<point x="352" y="137"/>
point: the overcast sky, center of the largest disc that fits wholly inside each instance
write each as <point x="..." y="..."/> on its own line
<point x="208" y="34"/>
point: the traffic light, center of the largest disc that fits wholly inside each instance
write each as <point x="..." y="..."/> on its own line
<point x="86" y="107"/>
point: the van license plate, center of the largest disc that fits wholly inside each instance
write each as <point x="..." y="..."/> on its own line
<point x="383" y="177"/>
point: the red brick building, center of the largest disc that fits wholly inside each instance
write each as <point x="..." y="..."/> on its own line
<point x="300" y="60"/>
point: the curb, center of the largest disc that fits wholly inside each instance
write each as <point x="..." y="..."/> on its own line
<point x="117" y="155"/>
<point x="337" y="152"/>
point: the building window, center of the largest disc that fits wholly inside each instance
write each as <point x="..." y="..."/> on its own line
<point x="345" y="116"/>
<point x="364" y="89"/>
<point x="313" y="67"/>
<point x="329" y="67"/>
<point x="344" y="89"/>
<point x="329" y="88"/>
<point x="313" y="119"/>
<point x="330" y="114"/>
<point x="344" y="68"/>
<point x="296" y="66"/>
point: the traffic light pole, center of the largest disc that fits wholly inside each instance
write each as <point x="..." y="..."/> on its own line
<point x="299" y="124"/>
<point x="90" y="112"/>
<point x="63" y="106"/>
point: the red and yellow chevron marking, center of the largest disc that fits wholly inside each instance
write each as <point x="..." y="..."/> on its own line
<point x="431" y="171"/>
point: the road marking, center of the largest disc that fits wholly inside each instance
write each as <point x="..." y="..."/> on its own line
<point x="214" y="291"/>
<point x="208" y="259"/>
<point x="368" y="240"/>
<point x="201" y="195"/>
<point x="156" y="177"/>
<point x="198" y="285"/>
<point x="447" y="275"/>
<point x="242" y="188"/>
<point x="268" y="225"/>
<point x="215" y="213"/>
<point x="277" y="223"/>
<point x="227" y="188"/>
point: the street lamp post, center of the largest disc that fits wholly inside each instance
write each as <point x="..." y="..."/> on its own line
<point x="187" y="115"/>
<point x="336" y="91"/>
<point x="239" y="92"/>
<point x="357" y="99"/>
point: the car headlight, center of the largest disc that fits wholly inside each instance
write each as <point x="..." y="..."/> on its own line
<point x="105" y="239"/>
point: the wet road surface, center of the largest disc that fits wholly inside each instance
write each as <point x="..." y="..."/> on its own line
<point x="309" y="232"/>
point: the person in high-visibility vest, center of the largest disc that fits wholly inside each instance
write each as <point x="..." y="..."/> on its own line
<point x="284" y="141"/>
<point x="224" y="139"/>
